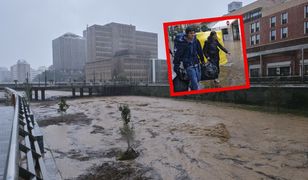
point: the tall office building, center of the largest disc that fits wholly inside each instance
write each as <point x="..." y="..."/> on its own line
<point x="21" y="71"/>
<point x="115" y="45"/>
<point x="105" y="41"/>
<point x="69" y="52"/>
<point x="159" y="70"/>
<point x="4" y="74"/>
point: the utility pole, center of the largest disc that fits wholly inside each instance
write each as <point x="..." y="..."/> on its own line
<point x="94" y="77"/>
<point x="54" y="76"/>
<point x="45" y="79"/>
<point x="27" y="78"/>
<point x="101" y="77"/>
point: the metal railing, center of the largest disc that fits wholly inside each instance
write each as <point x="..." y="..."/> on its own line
<point x="279" y="79"/>
<point x="25" y="160"/>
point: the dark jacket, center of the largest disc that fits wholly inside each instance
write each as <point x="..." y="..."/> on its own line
<point x="210" y="48"/>
<point x="190" y="53"/>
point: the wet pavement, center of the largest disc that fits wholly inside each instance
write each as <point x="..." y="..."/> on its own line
<point x="176" y="139"/>
<point x="232" y="73"/>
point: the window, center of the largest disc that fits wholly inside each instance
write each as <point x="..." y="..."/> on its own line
<point x="279" y="71"/>
<point x="272" y="72"/>
<point x="284" y="18"/>
<point x="252" y="15"/>
<point x="255" y="14"/>
<point x="284" y="71"/>
<point x="284" y="32"/>
<point x="273" y="21"/>
<point x="254" y="72"/>
<point x="257" y="26"/>
<point x="252" y="40"/>
<point x="306" y="11"/>
<point x="306" y="27"/>
<point x="273" y="35"/>
<point x="279" y="68"/>
<point x="252" y="28"/>
<point x="257" y="38"/>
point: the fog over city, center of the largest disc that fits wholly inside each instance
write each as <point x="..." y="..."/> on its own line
<point x="28" y="27"/>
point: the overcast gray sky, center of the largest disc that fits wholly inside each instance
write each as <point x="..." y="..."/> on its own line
<point x="28" y="27"/>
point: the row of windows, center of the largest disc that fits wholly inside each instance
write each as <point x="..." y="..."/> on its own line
<point x="284" y="20"/>
<point x="103" y="49"/>
<point x="255" y="27"/>
<point x="103" y="54"/>
<point x="283" y="33"/>
<point x="252" y="15"/>
<point x="255" y="39"/>
<point x="137" y="66"/>
<point x="276" y="71"/>
<point x="103" y="38"/>
<point x="103" y="33"/>
<point x="146" y="44"/>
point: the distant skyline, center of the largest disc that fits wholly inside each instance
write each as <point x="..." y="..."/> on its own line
<point x="28" y="27"/>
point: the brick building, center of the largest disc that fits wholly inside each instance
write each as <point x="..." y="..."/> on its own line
<point x="276" y="34"/>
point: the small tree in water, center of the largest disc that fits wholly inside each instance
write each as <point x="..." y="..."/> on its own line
<point x="127" y="132"/>
<point x="63" y="106"/>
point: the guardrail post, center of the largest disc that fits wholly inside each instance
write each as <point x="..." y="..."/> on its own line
<point x="36" y="94"/>
<point x="90" y="91"/>
<point x="73" y="92"/>
<point x="43" y="94"/>
<point x="81" y="92"/>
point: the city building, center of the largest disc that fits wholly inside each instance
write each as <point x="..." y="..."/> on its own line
<point x="69" y="52"/>
<point x="35" y="72"/>
<point x="104" y="41"/>
<point x="119" y="52"/>
<point x="4" y="74"/>
<point x="128" y="66"/>
<point x="276" y="35"/>
<point x="235" y="5"/>
<point x="21" y="72"/>
<point x="159" y="71"/>
<point x="99" y="71"/>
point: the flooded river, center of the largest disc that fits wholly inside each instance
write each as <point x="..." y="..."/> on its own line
<point x="176" y="139"/>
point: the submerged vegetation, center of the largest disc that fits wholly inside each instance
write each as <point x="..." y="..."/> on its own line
<point x="127" y="132"/>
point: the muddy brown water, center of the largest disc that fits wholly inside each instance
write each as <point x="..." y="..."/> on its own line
<point x="176" y="139"/>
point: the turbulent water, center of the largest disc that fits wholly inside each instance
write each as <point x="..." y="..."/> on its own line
<point x="176" y="139"/>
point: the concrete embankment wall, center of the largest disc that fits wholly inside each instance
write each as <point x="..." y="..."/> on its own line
<point x="294" y="98"/>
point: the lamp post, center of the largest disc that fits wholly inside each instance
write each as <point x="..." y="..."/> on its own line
<point x="45" y="79"/>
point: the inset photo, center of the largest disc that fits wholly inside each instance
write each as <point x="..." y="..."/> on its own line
<point x="206" y="55"/>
